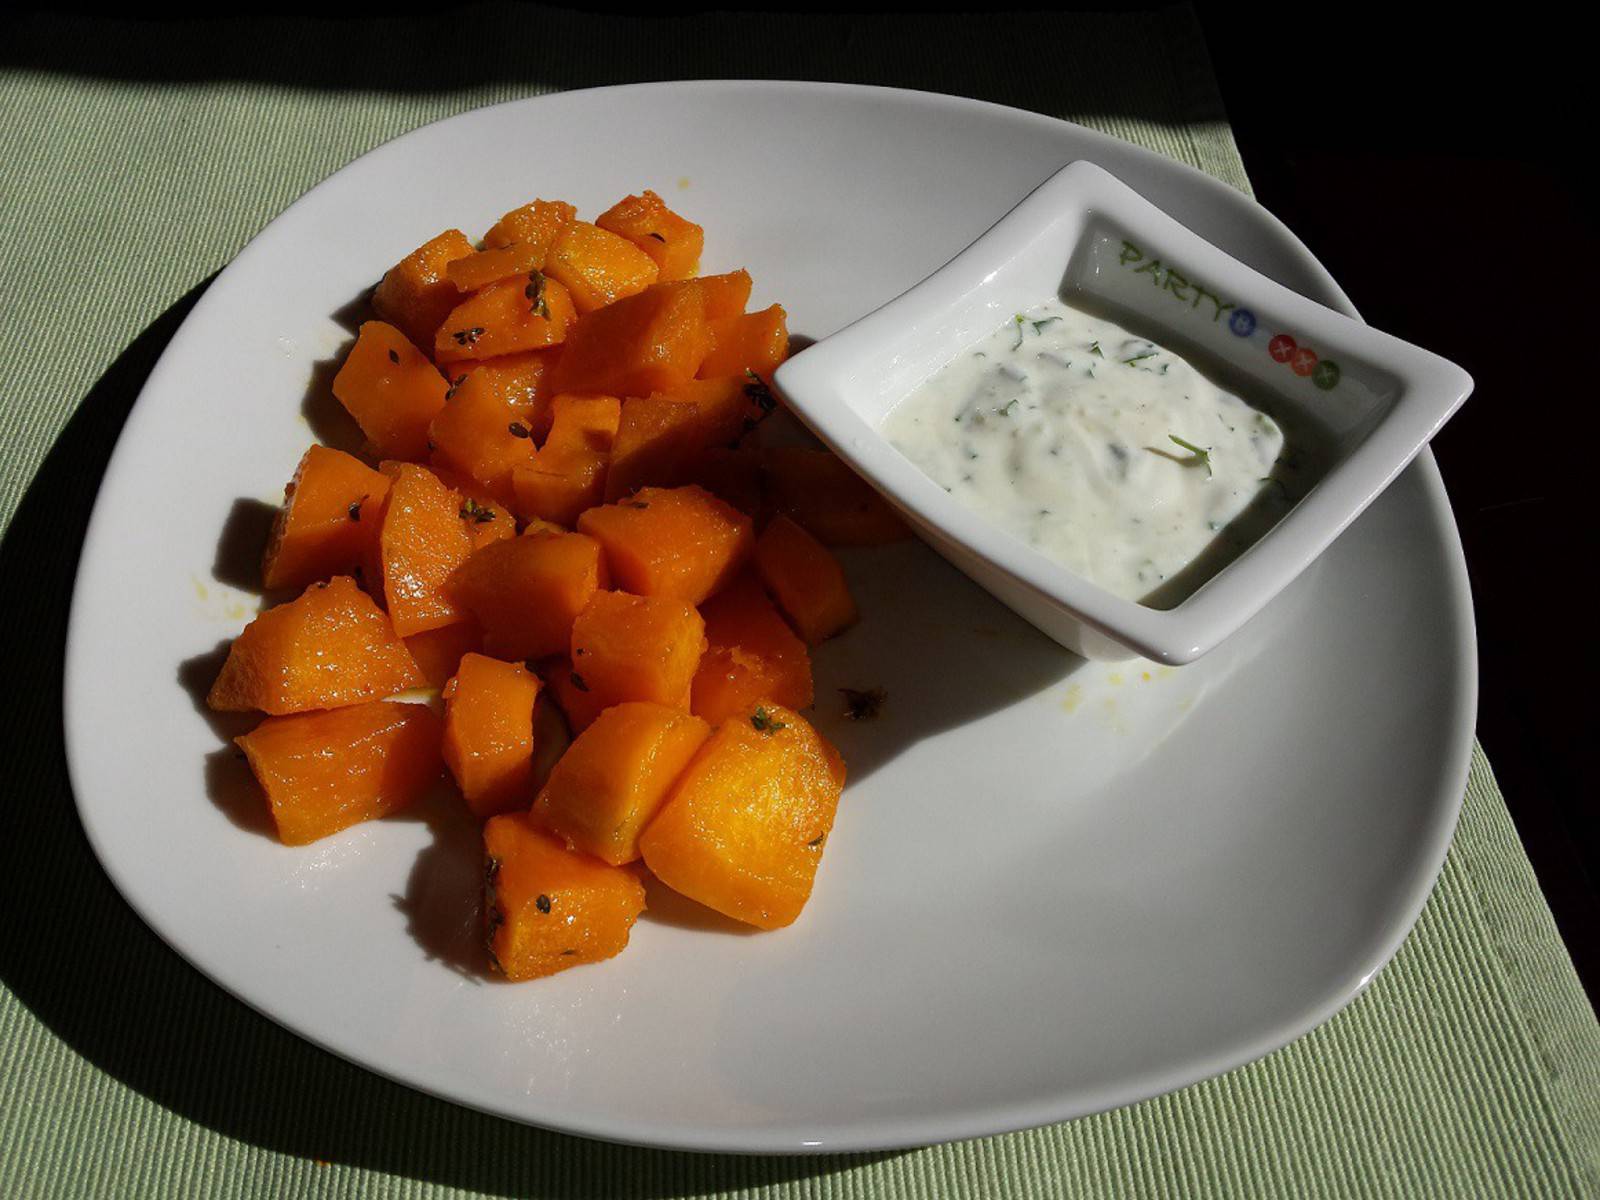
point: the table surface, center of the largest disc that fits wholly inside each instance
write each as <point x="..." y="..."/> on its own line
<point x="137" y="158"/>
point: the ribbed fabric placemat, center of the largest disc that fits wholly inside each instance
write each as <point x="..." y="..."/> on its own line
<point x="135" y="160"/>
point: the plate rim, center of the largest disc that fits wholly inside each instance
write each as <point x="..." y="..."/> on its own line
<point x="885" y="1134"/>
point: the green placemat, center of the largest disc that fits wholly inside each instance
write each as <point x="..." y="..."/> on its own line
<point x="135" y="160"/>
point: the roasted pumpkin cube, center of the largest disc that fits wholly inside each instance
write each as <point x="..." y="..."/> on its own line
<point x="330" y="514"/>
<point x="725" y="295"/>
<point x="825" y="497"/>
<point x="652" y="342"/>
<point x="556" y="488"/>
<point x="489" y="733"/>
<point x="744" y="828"/>
<point x="638" y="648"/>
<point x="582" y="421"/>
<point x="547" y="908"/>
<point x="754" y="343"/>
<point x="528" y="312"/>
<point x="329" y="648"/>
<point x="537" y="224"/>
<point x="577" y="703"/>
<point x="326" y="771"/>
<point x="517" y="380"/>
<point x="392" y="391"/>
<point x="526" y="592"/>
<point x="616" y="775"/>
<point x="598" y="267"/>
<point x="416" y="294"/>
<point x="672" y="242"/>
<point x="681" y="543"/>
<point x="660" y="436"/>
<point x="426" y="533"/>
<point x="438" y="652"/>
<point x="483" y="267"/>
<point x="486" y="518"/>
<point x="476" y="435"/>
<point x="806" y="579"/>
<point x="751" y="655"/>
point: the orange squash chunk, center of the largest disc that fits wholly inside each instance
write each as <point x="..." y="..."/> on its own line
<point x="751" y="656"/>
<point x="416" y="294"/>
<point x="806" y="579"/>
<point x="326" y="771"/>
<point x="637" y="648"/>
<point x="652" y="342"/>
<point x="488" y="733"/>
<point x="423" y="538"/>
<point x="515" y="315"/>
<point x="517" y="380"/>
<point x="331" y="647"/>
<point x="392" y="391"/>
<point x="330" y="514"/>
<point x="725" y="295"/>
<point x="486" y="518"/>
<point x="672" y="242"/>
<point x="477" y="435"/>
<point x="577" y="703"/>
<point x="547" y="908"/>
<point x="755" y="342"/>
<point x="681" y="543"/>
<point x="660" y="436"/>
<point x="538" y="224"/>
<point x="438" y="652"/>
<point x="744" y="828"/>
<point x="597" y="266"/>
<point x="730" y="473"/>
<point x="616" y="775"/>
<point x="568" y="473"/>
<point x="527" y="591"/>
<point x="483" y="267"/>
<point x="829" y="500"/>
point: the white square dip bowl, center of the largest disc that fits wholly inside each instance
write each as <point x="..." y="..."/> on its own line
<point x="1089" y="239"/>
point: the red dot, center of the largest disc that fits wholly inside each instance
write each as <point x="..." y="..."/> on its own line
<point x="1281" y="347"/>
<point x="1304" y="361"/>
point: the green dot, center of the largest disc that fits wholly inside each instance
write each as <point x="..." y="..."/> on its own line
<point x="1326" y="375"/>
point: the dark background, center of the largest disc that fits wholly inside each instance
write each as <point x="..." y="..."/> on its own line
<point x="1435" y="164"/>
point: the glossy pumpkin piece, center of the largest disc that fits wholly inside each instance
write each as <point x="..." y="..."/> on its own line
<point x="487" y="519"/>
<point x="652" y="342"/>
<point x="805" y="579"/>
<point x="754" y="342"/>
<point x="529" y="312"/>
<point x="751" y="655"/>
<point x="725" y="295"/>
<point x="478" y="436"/>
<point x="578" y="704"/>
<point x="438" y="652"/>
<point x="483" y="267"/>
<point x="489" y="733"/>
<point x="422" y="539"/>
<point x="744" y="828"/>
<point x="567" y="475"/>
<point x="820" y="492"/>
<point x="598" y="267"/>
<point x="392" y="391"/>
<point x="538" y="224"/>
<point x="329" y="648"/>
<point x="660" y="436"/>
<point x="330" y="515"/>
<point x="614" y="778"/>
<point x="547" y="908"/>
<point x="516" y="380"/>
<point x="415" y="295"/>
<point x="527" y="591"/>
<point x="671" y="241"/>
<point x="680" y="543"/>
<point x="326" y="771"/>
<point x="582" y="421"/>
<point x="629" y="647"/>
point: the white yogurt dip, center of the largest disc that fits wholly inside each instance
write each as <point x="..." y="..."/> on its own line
<point x="1104" y="451"/>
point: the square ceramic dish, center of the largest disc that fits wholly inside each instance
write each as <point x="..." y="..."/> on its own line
<point x="1088" y="238"/>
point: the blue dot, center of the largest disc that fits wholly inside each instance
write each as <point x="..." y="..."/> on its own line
<point x="1243" y="322"/>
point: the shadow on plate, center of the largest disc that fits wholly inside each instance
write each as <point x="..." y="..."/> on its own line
<point x="110" y="989"/>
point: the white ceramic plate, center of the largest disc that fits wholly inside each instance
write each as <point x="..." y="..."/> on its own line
<point x="1054" y="887"/>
